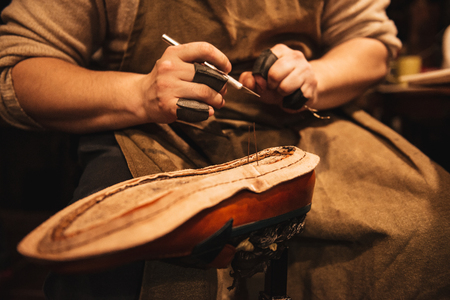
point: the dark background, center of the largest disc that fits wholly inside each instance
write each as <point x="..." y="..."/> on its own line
<point x="39" y="170"/>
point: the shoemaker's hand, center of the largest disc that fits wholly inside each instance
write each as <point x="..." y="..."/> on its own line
<point x="290" y="72"/>
<point x="171" y="80"/>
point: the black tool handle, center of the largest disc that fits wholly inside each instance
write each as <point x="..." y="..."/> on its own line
<point x="261" y="67"/>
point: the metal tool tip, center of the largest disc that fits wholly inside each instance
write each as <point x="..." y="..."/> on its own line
<point x="250" y="91"/>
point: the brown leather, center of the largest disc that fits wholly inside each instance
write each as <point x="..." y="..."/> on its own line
<point x="167" y="215"/>
<point x="244" y="208"/>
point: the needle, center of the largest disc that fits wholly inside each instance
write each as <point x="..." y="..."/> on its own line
<point x="230" y="79"/>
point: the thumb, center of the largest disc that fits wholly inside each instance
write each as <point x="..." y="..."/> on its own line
<point x="247" y="80"/>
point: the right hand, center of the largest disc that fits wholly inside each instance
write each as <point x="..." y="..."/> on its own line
<point x="171" y="79"/>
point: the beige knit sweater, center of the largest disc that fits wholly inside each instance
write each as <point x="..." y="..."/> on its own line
<point x="96" y="32"/>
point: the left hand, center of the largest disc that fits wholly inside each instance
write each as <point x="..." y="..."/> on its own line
<point x="290" y="72"/>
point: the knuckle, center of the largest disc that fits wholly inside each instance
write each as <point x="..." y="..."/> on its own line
<point x="310" y="70"/>
<point x="298" y="55"/>
<point x="164" y="66"/>
<point x="279" y="48"/>
<point x="164" y="107"/>
<point x="285" y="64"/>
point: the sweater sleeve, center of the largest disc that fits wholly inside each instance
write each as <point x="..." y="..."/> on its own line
<point x="66" y="29"/>
<point x="346" y="19"/>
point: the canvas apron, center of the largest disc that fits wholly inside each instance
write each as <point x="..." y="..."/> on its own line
<point x="364" y="165"/>
<point x="241" y="30"/>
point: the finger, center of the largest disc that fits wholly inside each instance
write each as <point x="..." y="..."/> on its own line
<point x="223" y="91"/>
<point x="248" y="80"/>
<point x="177" y="83"/>
<point x="174" y="69"/>
<point x="281" y="50"/>
<point x="192" y="110"/>
<point x="210" y="77"/>
<point x="260" y="83"/>
<point x="291" y="83"/>
<point x="200" y="52"/>
<point x="289" y="61"/>
<point x="309" y="90"/>
<point x="185" y="110"/>
<point x="282" y="68"/>
<point x="201" y="92"/>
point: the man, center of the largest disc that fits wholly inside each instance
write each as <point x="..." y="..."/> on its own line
<point x="101" y="68"/>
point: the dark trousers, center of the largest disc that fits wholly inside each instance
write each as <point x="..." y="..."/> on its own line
<point x="103" y="165"/>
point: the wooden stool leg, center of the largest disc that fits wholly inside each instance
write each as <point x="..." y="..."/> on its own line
<point x="275" y="285"/>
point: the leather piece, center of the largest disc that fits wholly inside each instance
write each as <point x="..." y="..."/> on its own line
<point x="263" y="63"/>
<point x="195" y="111"/>
<point x="212" y="78"/>
<point x="192" y="110"/>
